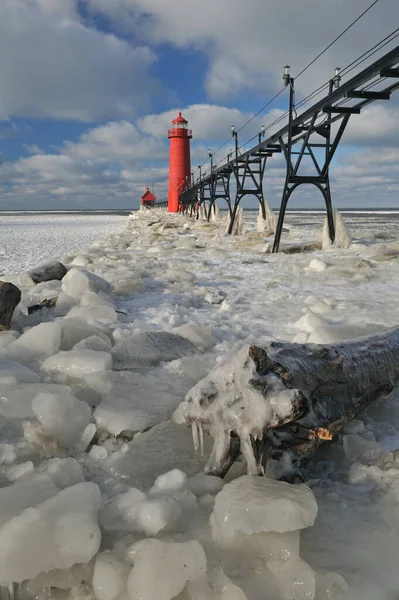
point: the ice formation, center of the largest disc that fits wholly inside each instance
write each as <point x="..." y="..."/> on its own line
<point x="226" y="401"/>
<point x="77" y="463"/>
<point x="266" y="226"/>
<point x="343" y="238"/>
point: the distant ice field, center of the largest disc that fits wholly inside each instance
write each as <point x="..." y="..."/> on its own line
<point x="28" y="239"/>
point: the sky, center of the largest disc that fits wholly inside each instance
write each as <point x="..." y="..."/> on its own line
<point x="88" y="90"/>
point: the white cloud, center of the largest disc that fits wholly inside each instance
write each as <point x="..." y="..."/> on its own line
<point x="377" y="124"/>
<point x="52" y="65"/>
<point x="108" y="166"/>
<point x="248" y="43"/>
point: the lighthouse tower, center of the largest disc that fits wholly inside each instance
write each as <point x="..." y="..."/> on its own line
<point x="179" y="159"/>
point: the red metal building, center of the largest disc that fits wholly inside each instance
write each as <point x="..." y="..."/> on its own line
<point x="148" y="199"/>
<point x="179" y="160"/>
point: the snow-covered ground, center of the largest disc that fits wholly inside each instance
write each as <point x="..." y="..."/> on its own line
<point x="101" y="495"/>
<point x="27" y="239"/>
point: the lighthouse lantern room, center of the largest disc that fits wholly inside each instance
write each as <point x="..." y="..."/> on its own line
<point x="179" y="159"/>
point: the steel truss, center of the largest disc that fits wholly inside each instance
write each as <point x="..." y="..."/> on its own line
<point x="312" y="130"/>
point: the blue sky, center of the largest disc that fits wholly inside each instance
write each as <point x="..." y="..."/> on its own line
<point x="88" y="89"/>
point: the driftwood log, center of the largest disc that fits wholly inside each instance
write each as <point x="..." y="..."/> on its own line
<point x="282" y="401"/>
<point x="48" y="272"/>
<point x="10" y="297"/>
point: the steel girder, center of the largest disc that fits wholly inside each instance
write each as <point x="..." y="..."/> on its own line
<point x="220" y="189"/>
<point x="248" y="173"/>
<point x="300" y="130"/>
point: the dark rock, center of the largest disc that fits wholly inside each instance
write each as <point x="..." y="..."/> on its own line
<point x="48" y="272"/>
<point x="10" y="297"/>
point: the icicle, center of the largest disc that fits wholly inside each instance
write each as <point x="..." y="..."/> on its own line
<point x="194" y="433"/>
<point x="201" y="438"/>
<point x="271" y="219"/>
<point x="248" y="454"/>
<point x="215" y="214"/>
<point x="261" y="222"/>
<point x="343" y="237"/>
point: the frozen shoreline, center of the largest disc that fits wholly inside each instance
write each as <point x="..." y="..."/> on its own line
<point x="158" y="275"/>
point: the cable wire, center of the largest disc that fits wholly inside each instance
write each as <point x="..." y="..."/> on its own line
<point x="319" y="90"/>
<point x="337" y="38"/>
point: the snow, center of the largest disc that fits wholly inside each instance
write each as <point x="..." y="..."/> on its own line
<point x="92" y="454"/>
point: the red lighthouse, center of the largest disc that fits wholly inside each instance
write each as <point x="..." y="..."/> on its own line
<point x="179" y="159"/>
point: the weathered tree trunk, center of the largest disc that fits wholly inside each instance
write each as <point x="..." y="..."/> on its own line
<point x="284" y="400"/>
<point x="48" y="272"/>
<point x="10" y="297"/>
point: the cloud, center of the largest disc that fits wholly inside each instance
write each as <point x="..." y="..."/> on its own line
<point x="53" y="66"/>
<point x="108" y="166"/>
<point x="377" y="125"/>
<point x="248" y="43"/>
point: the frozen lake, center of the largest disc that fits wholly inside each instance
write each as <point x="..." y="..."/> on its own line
<point x="28" y="239"/>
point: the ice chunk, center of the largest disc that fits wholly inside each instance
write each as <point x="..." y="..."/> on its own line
<point x="309" y="322"/>
<point x="223" y="587"/>
<point x="156" y="515"/>
<point x="331" y="586"/>
<point x="204" y="484"/>
<point x="78" y="281"/>
<point x="166" y="446"/>
<point x="58" y="533"/>
<point x="300" y="338"/>
<point x="121" y="511"/>
<point x="169" y="482"/>
<point x="199" y="335"/>
<point x="64" y="303"/>
<point x="258" y="548"/>
<point x="150" y="348"/>
<point x="37" y="343"/>
<point x="80" y="261"/>
<point x="93" y="299"/>
<point x="215" y="296"/>
<point x="75" y="330"/>
<point x="316" y="264"/>
<point x="161" y="570"/>
<point x="98" y="452"/>
<point x="16" y="400"/>
<point x="295" y="579"/>
<point x="62" y="471"/>
<point x="110" y="576"/>
<point x="339" y="333"/>
<point x="94" y="342"/>
<point x="119" y="414"/>
<point x="256" y="504"/>
<point x="132" y="401"/>
<point x="7" y="337"/>
<point x="24" y="494"/>
<point x="12" y="372"/>
<point x="77" y="363"/>
<point x="320" y="307"/>
<point x="359" y="449"/>
<point x="63" y="417"/>
<point x="92" y="314"/>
